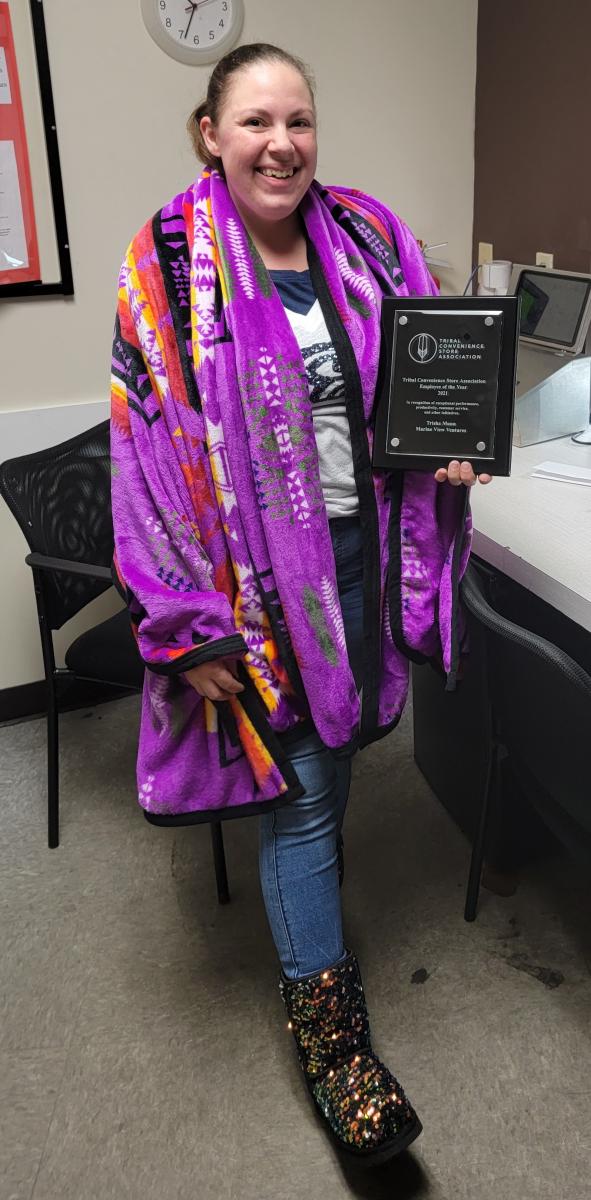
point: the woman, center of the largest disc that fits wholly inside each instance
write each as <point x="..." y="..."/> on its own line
<point x="271" y="575"/>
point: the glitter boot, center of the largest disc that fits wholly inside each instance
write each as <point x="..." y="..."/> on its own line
<point x="363" y="1105"/>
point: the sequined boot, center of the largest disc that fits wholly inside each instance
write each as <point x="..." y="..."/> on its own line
<point x="363" y="1105"/>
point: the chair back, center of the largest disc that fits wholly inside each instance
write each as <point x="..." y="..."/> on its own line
<point x="61" y="498"/>
<point x="541" y="700"/>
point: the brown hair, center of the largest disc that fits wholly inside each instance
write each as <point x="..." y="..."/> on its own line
<point x="218" y="86"/>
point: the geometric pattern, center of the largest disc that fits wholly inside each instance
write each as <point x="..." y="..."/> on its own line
<point x="211" y="398"/>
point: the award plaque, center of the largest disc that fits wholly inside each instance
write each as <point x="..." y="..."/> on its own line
<point x="449" y="385"/>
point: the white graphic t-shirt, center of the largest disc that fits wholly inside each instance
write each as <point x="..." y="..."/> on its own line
<point x="327" y="391"/>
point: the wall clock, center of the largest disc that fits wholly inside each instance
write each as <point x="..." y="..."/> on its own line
<point x="194" y="31"/>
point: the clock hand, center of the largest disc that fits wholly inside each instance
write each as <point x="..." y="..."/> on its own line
<point x="193" y="8"/>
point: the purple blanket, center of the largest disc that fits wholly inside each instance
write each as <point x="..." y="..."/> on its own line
<point x="221" y="534"/>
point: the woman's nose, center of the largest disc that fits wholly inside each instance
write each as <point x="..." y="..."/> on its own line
<point x="279" y="140"/>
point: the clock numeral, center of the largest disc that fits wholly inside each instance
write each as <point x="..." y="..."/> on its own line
<point x="196" y="39"/>
<point x="168" y="22"/>
<point x="211" y="35"/>
<point x="224" y="7"/>
<point x="163" y="5"/>
<point x="221" y="24"/>
<point x="181" y="33"/>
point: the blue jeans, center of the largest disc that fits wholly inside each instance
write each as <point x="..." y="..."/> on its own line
<point x="298" y="857"/>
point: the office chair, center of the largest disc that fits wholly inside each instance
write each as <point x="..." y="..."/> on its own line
<point x="61" y="498"/>
<point x="540" y="716"/>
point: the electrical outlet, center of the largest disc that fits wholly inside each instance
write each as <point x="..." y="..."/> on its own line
<point x="544" y="260"/>
<point x="485" y="252"/>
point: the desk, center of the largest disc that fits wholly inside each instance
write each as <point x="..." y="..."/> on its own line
<point x="538" y="531"/>
<point x="536" y="536"/>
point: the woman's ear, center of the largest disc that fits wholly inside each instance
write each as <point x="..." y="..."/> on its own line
<point x="208" y="135"/>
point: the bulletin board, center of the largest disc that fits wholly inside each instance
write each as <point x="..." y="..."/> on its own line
<point x="34" y="247"/>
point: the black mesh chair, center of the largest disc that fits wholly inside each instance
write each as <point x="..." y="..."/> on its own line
<point x="61" y="498"/>
<point x="540" y="716"/>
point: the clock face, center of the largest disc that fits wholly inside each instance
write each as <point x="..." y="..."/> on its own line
<point x="194" y="31"/>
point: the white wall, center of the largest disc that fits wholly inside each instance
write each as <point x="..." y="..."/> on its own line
<point x="396" y="87"/>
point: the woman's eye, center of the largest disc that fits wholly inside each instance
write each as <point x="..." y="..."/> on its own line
<point x="254" y="121"/>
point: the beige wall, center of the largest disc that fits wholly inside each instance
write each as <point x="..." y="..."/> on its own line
<point x="396" y="86"/>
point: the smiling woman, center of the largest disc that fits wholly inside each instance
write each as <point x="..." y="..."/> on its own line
<point x="271" y="574"/>
<point x="258" y="125"/>
<point x="265" y="136"/>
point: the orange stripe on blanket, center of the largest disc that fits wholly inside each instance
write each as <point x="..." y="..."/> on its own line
<point x="261" y="762"/>
<point x="178" y="653"/>
<point x="119" y="410"/>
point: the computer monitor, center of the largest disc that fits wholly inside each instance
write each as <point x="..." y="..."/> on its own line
<point x="555" y="307"/>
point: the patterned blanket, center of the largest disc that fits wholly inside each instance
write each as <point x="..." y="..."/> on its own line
<point x="221" y="535"/>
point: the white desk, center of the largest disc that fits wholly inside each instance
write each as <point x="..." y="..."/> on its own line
<point x="538" y="532"/>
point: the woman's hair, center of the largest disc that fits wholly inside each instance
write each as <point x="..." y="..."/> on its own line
<point x="219" y="85"/>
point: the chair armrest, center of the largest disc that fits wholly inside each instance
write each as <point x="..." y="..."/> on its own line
<point x="43" y="562"/>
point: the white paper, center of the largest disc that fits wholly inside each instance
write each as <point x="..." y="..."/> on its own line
<point x="13" y="243"/>
<point x="563" y="472"/>
<point x="5" y="97"/>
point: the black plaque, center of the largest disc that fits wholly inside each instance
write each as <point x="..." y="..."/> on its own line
<point x="449" y="385"/>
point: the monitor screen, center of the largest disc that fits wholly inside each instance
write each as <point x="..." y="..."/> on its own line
<point x="552" y="306"/>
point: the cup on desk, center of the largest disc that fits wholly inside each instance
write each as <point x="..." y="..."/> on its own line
<point x="494" y="277"/>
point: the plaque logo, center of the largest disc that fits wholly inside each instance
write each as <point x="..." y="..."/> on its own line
<point x="422" y="347"/>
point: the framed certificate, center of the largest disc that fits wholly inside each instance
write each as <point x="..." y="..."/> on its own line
<point x="34" y="248"/>
<point x="449" y="386"/>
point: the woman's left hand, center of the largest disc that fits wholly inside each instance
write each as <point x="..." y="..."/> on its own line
<point x="457" y="472"/>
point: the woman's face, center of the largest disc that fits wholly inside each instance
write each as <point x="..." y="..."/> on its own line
<point x="266" y="139"/>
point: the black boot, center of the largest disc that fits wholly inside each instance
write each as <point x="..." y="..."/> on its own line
<point x="363" y="1105"/>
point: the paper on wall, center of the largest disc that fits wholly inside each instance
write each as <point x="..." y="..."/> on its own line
<point x="13" y="242"/>
<point x="5" y="96"/>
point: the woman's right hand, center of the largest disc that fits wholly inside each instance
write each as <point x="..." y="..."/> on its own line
<point x="216" y="679"/>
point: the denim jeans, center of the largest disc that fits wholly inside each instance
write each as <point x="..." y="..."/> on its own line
<point x="298" y="857"/>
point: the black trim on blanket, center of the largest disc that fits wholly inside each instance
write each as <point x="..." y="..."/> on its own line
<point x="455" y="594"/>
<point x="229" y="744"/>
<point x="175" y="264"/>
<point x="368" y="513"/>
<point x="257" y="714"/>
<point x="232" y="644"/>
<point x="382" y="368"/>
<point x="274" y="609"/>
<point x="394" y="580"/>
<point x="206" y="816"/>
<point x="382" y="731"/>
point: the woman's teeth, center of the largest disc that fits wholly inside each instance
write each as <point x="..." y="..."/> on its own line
<point x="276" y="174"/>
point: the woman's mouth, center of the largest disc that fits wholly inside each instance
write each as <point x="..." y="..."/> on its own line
<point x="277" y="172"/>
